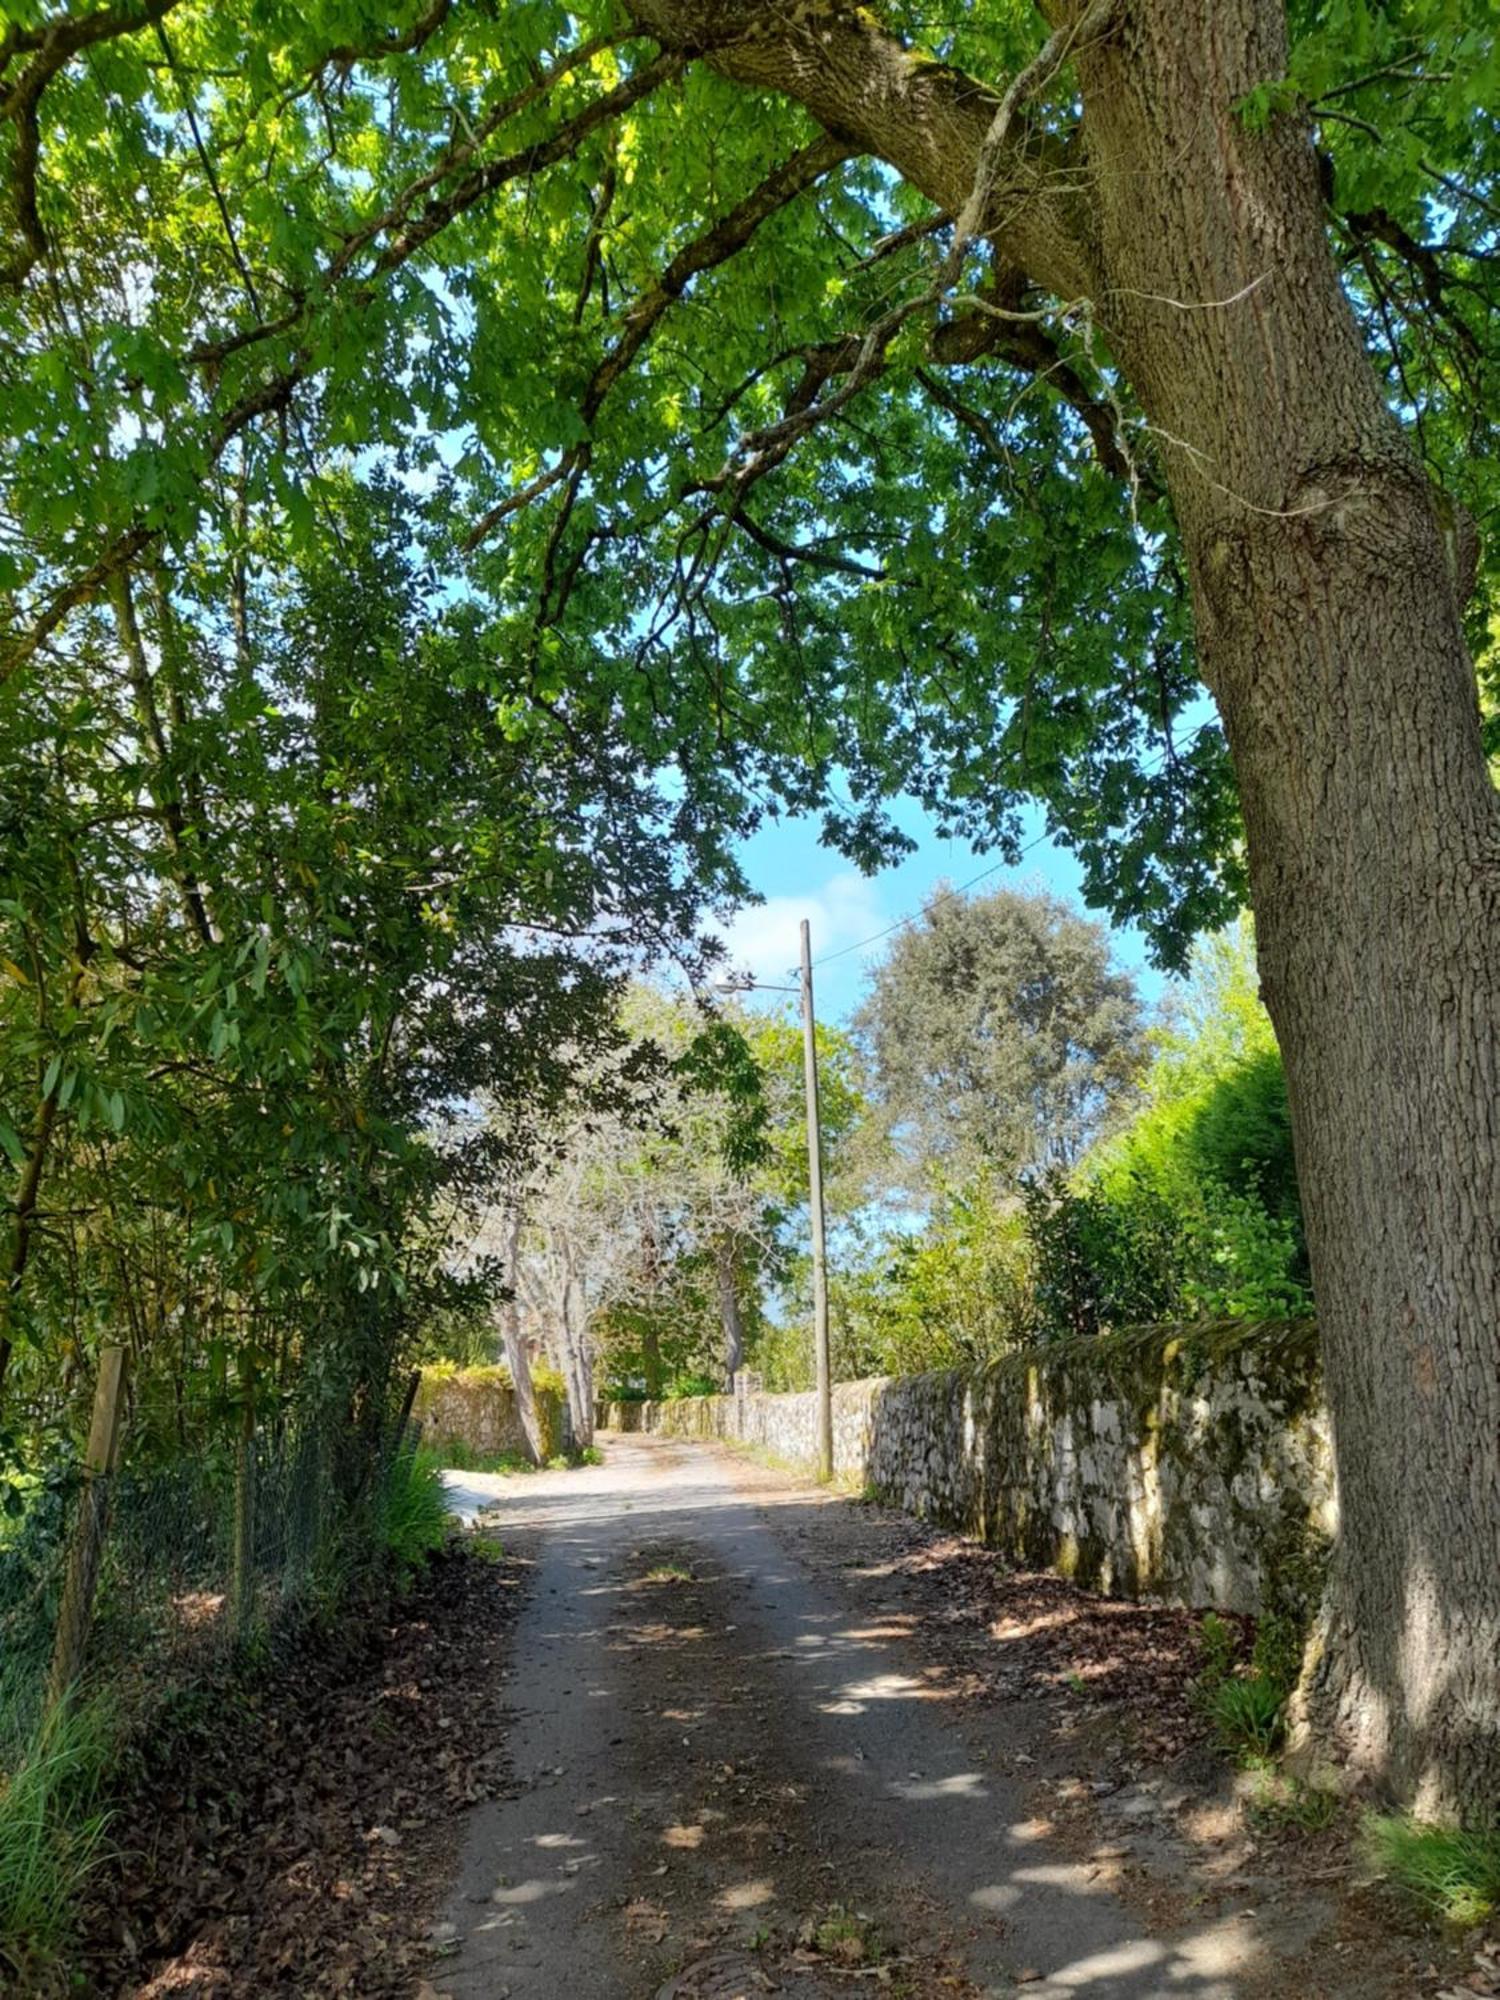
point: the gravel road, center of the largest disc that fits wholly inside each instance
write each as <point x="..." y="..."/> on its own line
<point x="727" y="1787"/>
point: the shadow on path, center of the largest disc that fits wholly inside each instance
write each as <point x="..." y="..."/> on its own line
<point x="709" y="1755"/>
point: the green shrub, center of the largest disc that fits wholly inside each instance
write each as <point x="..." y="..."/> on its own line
<point x="1248" y="1712"/>
<point x="51" y="1828"/>
<point x="1451" y="1872"/>
<point x="679" y="1386"/>
<point x="415" y="1518"/>
<point x="1190" y="1210"/>
<point x="489" y="1375"/>
<point x="958" y="1294"/>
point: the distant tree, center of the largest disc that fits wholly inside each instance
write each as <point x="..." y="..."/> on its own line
<point x="999" y="1035"/>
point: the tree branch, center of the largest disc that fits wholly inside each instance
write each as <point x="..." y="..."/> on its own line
<point x="926" y="119"/>
<point x="800" y="552"/>
<point x="54" y="45"/>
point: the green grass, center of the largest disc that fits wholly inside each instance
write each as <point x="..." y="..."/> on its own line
<point x="1279" y="1803"/>
<point x="453" y="1455"/>
<point x="846" y="1936"/>
<point x="415" y="1519"/>
<point x="1248" y="1712"/>
<point x="1453" y="1873"/>
<point x="52" y="1825"/>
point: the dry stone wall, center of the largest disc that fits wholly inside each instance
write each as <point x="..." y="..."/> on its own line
<point x="1188" y="1465"/>
<point x="476" y="1408"/>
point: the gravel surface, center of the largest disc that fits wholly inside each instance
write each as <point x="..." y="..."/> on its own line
<point x="770" y="1740"/>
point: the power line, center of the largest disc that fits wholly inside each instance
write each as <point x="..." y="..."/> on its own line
<point x="994" y="868"/>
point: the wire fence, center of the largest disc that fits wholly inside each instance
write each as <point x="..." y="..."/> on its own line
<point x="137" y="1574"/>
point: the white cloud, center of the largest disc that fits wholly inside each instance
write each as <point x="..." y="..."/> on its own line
<point x="765" y="939"/>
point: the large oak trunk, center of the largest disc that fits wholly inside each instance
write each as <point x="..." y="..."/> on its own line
<point x="1327" y="598"/>
<point x="1327" y="579"/>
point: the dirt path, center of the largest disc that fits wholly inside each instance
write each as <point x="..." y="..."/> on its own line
<point x="735" y="1776"/>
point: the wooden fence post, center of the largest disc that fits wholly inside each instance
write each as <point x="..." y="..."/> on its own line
<point x="77" y="1610"/>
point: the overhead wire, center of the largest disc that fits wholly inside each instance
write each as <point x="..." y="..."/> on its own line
<point x="995" y="867"/>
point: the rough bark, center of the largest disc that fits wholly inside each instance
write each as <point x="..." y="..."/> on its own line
<point x="925" y="118"/>
<point x="517" y="1354"/>
<point x="1329" y="625"/>
<point x="578" y="1367"/>
<point x="730" y="1317"/>
<point x="1325" y="591"/>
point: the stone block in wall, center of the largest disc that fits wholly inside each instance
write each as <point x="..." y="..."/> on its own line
<point x="1191" y="1465"/>
<point x="475" y="1409"/>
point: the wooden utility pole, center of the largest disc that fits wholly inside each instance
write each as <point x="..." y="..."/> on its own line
<point x="815" y="1205"/>
<point x="76" y="1613"/>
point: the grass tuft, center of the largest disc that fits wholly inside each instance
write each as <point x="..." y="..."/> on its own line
<point x="1277" y="1802"/>
<point x="1248" y="1712"/>
<point x="1451" y="1872"/>
<point x="52" y="1824"/>
<point x="415" y="1521"/>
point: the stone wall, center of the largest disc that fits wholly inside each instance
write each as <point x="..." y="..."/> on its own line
<point x="475" y="1408"/>
<point x="1189" y="1465"/>
<point x="786" y="1426"/>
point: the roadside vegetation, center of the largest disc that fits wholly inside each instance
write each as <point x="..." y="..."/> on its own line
<point x="1447" y="1871"/>
<point x="464" y="471"/>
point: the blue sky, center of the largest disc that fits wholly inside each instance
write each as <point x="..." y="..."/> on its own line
<point x="800" y="878"/>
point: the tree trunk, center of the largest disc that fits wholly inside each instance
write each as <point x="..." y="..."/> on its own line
<point x="518" y="1361"/>
<point x="1327" y="597"/>
<point x="517" y="1356"/>
<point x="23" y="1233"/>
<point x="1327" y="581"/>
<point x="651" y="1367"/>
<point x="578" y="1370"/>
<point x="729" y="1308"/>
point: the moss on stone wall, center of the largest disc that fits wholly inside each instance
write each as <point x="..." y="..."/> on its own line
<point x="476" y="1408"/>
<point x="1190" y="1463"/>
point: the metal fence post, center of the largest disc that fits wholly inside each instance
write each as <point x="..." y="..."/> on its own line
<point x="244" y="1522"/>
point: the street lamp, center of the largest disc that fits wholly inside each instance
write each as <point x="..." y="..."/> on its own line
<point x="814" y="1188"/>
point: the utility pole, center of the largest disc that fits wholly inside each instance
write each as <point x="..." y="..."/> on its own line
<point x="743" y="983"/>
<point x="815" y="1206"/>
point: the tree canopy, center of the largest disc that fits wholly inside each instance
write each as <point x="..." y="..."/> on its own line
<point x="752" y="408"/>
<point x="616" y="369"/>
<point x="1000" y="1034"/>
